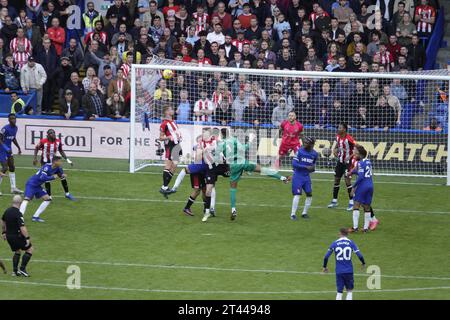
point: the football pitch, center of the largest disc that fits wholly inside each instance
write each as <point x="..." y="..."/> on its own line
<point x="130" y="243"/>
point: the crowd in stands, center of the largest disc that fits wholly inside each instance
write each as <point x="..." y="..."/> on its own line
<point x="321" y="35"/>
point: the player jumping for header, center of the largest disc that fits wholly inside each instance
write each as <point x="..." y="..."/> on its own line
<point x="291" y="131"/>
<point x="50" y="146"/>
<point x="343" y="249"/>
<point x="303" y="163"/>
<point x="234" y="154"/>
<point x="171" y="136"/>
<point x="363" y="190"/>
<point x="7" y="138"/>
<point x="343" y="150"/>
<point x="33" y="187"/>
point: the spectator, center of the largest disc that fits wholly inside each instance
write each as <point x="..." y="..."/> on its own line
<point x="170" y="8"/>
<point x="425" y="17"/>
<point x="107" y="76"/>
<point x="17" y="104"/>
<point x="32" y="32"/>
<point x="44" y="17"/>
<point x="417" y="53"/>
<point x="342" y="65"/>
<point x="57" y="35"/>
<point x="398" y="90"/>
<point x="184" y="107"/>
<point x="74" y="53"/>
<point x="280" y="112"/>
<point x="225" y="17"/>
<point x="223" y="113"/>
<point x="9" y="75"/>
<point x="75" y="86"/>
<point x="62" y="74"/>
<point x="236" y="7"/>
<point x="120" y="10"/>
<point x="355" y="63"/>
<point x="285" y="62"/>
<point x="90" y="17"/>
<point x="323" y="103"/>
<point x="120" y="85"/>
<point x="8" y="31"/>
<point x="337" y="115"/>
<point x="182" y="18"/>
<point x="246" y="16"/>
<point x="405" y="30"/>
<point x="342" y="13"/>
<point x="281" y="25"/>
<point x="385" y="117"/>
<point x="90" y="74"/>
<point x="20" y="40"/>
<point x="361" y="118"/>
<point x="353" y="25"/>
<point x="162" y="88"/>
<point x="304" y="109"/>
<point x="216" y="35"/>
<point x="407" y="4"/>
<point x="11" y="10"/>
<point x="384" y="57"/>
<point x="203" y="107"/>
<point x="93" y="103"/>
<point x="115" y="106"/>
<point x="92" y="56"/>
<point x="239" y="106"/>
<point x="68" y="105"/>
<point x="33" y="77"/>
<point x="254" y="113"/>
<point x="433" y="126"/>
<point x="33" y="8"/>
<point x="393" y="102"/>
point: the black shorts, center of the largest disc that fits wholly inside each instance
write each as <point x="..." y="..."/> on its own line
<point x="341" y="168"/>
<point x="173" y="151"/>
<point x="198" y="181"/>
<point x="17" y="242"/>
<point x="218" y="170"/>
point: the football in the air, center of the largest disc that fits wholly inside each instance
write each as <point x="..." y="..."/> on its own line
<point x="167" y="74"/>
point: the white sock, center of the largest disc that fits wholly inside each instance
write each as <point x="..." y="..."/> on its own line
<point x="350" y="201"/>
<point x="339" y="296"/>
<point x="334" y="200"/>
<point x="41" y="209"/>
<point x="23" y="206"/>
<point x="12" y="179"/>
<point x="355" y="219"/>
<point x="308" y="201"/>
<point x="349" y="296"/>
<point x="213" y="198"/>
<point x="233" y="209"/>
<point x="179" y="179"/>
<point x="1" y="179"/>
<point x="367" y="219"/>
<point x="295" y="204"/>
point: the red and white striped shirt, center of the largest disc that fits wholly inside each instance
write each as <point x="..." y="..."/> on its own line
<point x="239" y="44"/>
<point x="203" y="105"/>
<point x="49" y="149"/>
<point x="385" y="58"/>
<point x="126" y="70"/>
<point x="16" y="42"/>
<point x="20" y="58"/>
<point x="202" y="21"/>
<point x="170" y="129"/>
<point x="217" y="98"/>
<point x="345" y="147"/>
<point x="33" y="3"/>
<point x="426" y="12"/>
<point x="90" y="36"/>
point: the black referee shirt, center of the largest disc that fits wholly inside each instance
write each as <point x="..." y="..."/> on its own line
<point x="13" y="219"/>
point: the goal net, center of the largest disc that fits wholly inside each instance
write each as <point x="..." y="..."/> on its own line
<point x="401" y="118"/>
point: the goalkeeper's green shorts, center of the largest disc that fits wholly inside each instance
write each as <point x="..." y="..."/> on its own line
<point x="238" y="169"/>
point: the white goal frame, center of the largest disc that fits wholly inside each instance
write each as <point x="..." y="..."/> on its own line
<point x="282" y="73"/>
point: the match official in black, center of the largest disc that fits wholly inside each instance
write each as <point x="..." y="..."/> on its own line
<point x="15" y="232"/>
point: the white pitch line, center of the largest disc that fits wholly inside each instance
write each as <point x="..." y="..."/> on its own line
<point x="248" y="204"/>
<point x="246" y="177"/>
<point x="205" y="268"/>
<point x="47" y="284"/>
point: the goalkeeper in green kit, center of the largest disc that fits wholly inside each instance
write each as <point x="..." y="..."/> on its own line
<point x="234" y="153"/>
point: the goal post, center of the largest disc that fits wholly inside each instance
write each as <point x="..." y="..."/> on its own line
<point x="401" y="118"/>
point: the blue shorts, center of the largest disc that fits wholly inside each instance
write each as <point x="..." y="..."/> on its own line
<point x="300" y="183"/>
<point x="3" y="156"/>
<point x="34" y="191"/>
<point x="364" y="195"/>
<point x="344" y="280"/>
<point x="197" y="168"/>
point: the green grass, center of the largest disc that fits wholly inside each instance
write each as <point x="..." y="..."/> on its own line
<point x="132" y="244"/>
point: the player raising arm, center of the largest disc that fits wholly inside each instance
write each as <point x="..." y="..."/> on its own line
<point x="343" y="249"/>
<point x="33" y="187"/>
<point x="234" y="154"/>
<point x="50" y="146"/>
<point x="362" y="188"/>
<point x="343" y="151"/>
<point x="7" y="138"/>
<point x="303" y="163"/>
<point x="171" y="136"/>
<point x="291" y="131"/>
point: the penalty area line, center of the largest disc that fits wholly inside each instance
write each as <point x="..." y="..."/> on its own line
<point x="206" y="292"/>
